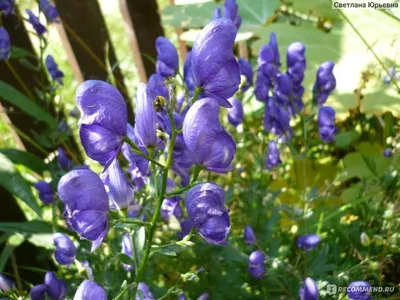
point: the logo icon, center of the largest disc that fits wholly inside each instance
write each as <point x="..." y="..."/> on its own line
<point x="331" y="289"/>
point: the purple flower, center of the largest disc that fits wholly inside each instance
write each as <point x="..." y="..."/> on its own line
<point x="215" y="68"/>
<point x="283" y="90"/>
<point x="211" y="146"/>
<point x="188" y="75"/>
<point x="64" y="162"/>
<point x="182" y="160"/>
<point x="52" y="67"/>
<point x="89" y="290"/>
<point x="256" y="264"/>
<point x="144" y="288"/>
<point x="167" y="58"/>
<point x="308" y="242"/>
<point x="249" y="236"/>
<point x="276" y="119"/>
<point x="262" y="86"/>
<point x="325" y="83"/>
<point x="49" y="10"/>
<point x="119" y="190"/>
<point x="359" y="290"/>
<point x="6" y="285"/>
<point x="204" y="296"/>
<point x="182" y="297"/>
<point x="171" y="206"/>
<point x="145" y="117"/>
<point x="273" y="156"/>
<point x="309" y="291"/>
<point x="65" y="249"/>
<point x="269" y="58"/>
<point x="387" y="153"/>
<point x="38" y="292"/>
<point x="5" y="44"/>
<point x="86" y="204"/>
<point x="235" y="114"/>
<point x="103" y="120"/>
<point x="247" y="71"/>
<point x="34" y="20"/>
<point x="296" y="62"/>
<point x="6" y="7"/>
<point x="56" y="288"/>
<point x="231" y="12"/>
<point x="186" y="227"/>
<point x="126" y="244"/>
<point x="156" y="87"/>
<point x="326" y="124"/>
<point x="205" y="205"/>
<point x="217" y="13"/>
<point x="46" y="193"/>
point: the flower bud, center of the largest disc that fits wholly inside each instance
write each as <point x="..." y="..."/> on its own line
<point x="65" y="249"/>
<point x="52" y="67"/>
<point x="56" y="288"/>
<point x="6" y="285"/>
<point x="358" y="290"/>
<point x="365" y="240"/>
<point x="35" y="22"/>
<point x="249" y="236"/>
<point x="144" y="288"/>
<point x="89" y="290"/>
<point x="309" y="291"/>
<point x="308" y="242"/>
<point x="46" y="193"/>
<point x="127" y="249"/>
<point x="5" y="44"/>
<point x="256" y="264"/>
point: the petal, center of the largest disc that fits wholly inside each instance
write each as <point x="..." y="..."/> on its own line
<point x="167" y="56"/>
<point x="221" y="153"/>
<point x="89" y="290"/>
<point x="38" y="292"/>
<point x="90" y="224"/>
<point x="146" y="117"/>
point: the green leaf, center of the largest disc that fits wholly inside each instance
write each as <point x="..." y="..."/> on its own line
<point x="139" y="241"/>
<point x="30" y="227"/>
<point x="318" y="8"/>
<point x="345" y="139"/>
<point x="256" y="13"/>
<point x="18" y="53"/>
<point x="15" y="97"/>
<point x="125" y="259"/>
<point x="12" y="181"/>
<point x="169" y="250"/>
<point x="4" y="257"/>
<point x="26" y="159"/>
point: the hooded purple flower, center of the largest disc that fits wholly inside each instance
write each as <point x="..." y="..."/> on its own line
<point x="64" y="162"/>
<point x="269" y="58"/>
<point x="359" y="290"/>
<point x="186" y="227"/>
<point x="86" y="204"/>
<point x="247" y="71"/>
<point x="215" y="68"/>
<point x="256" y="264"/>
<point x="167" y="58"/>
<point x="231" y="12"/>
<point x="204" y="296"/>
<point x="325" y="83"/>
<point x="249" y="236"/>
<point x="49" y="10"/>
<point x="182" y="297"/>
<point x="119" y="190"/>
<point x="35" y="22"/>
<point x="296" y="66"/>
<point x="217" y="13"/>
<point x="146" y="117"/>
<point x="157" y="87"/>
<point x="38" y="292"/>
<point x="65" y="249"/>
<point x="211" y="146"/>
<point x="262" y="86"/>
<point x="89" y="290"/>
<point x="308" y="242"/>
<point x="171" y="206"/>
<point x="6" y="285"/>
<point x="103" y="120"/>
<point x="5" y="44"/>
<point x="276" y="119"/>
<point x="273" y="156"/>
<point x="126" y="244"/>
<point x="52" y="67"/>
<point x="188" y="75"/>
<point x="6" y="7"/>
<point x="46" y="193"/>
<point x="205" y="205"/>
<point x="144" y="288"/>
<point x="56" y="288"/>
<point x="309" y="291"/>
<point x="235" y="114"/>
<point x="387" y="153"/>
<point x="326" y="124"/>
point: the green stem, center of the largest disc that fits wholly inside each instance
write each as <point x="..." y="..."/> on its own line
<point x="182" y="190"/>
<point x="196" y="94"/>
<point x="153" y="170"/>
<point x="369" y="48"/>
<point x="150" y="237"/>
<point x="135" y="149"/>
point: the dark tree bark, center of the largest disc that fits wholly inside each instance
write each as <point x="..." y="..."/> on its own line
<point x="147" y="26"/>
<point x="90" y="41"/>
